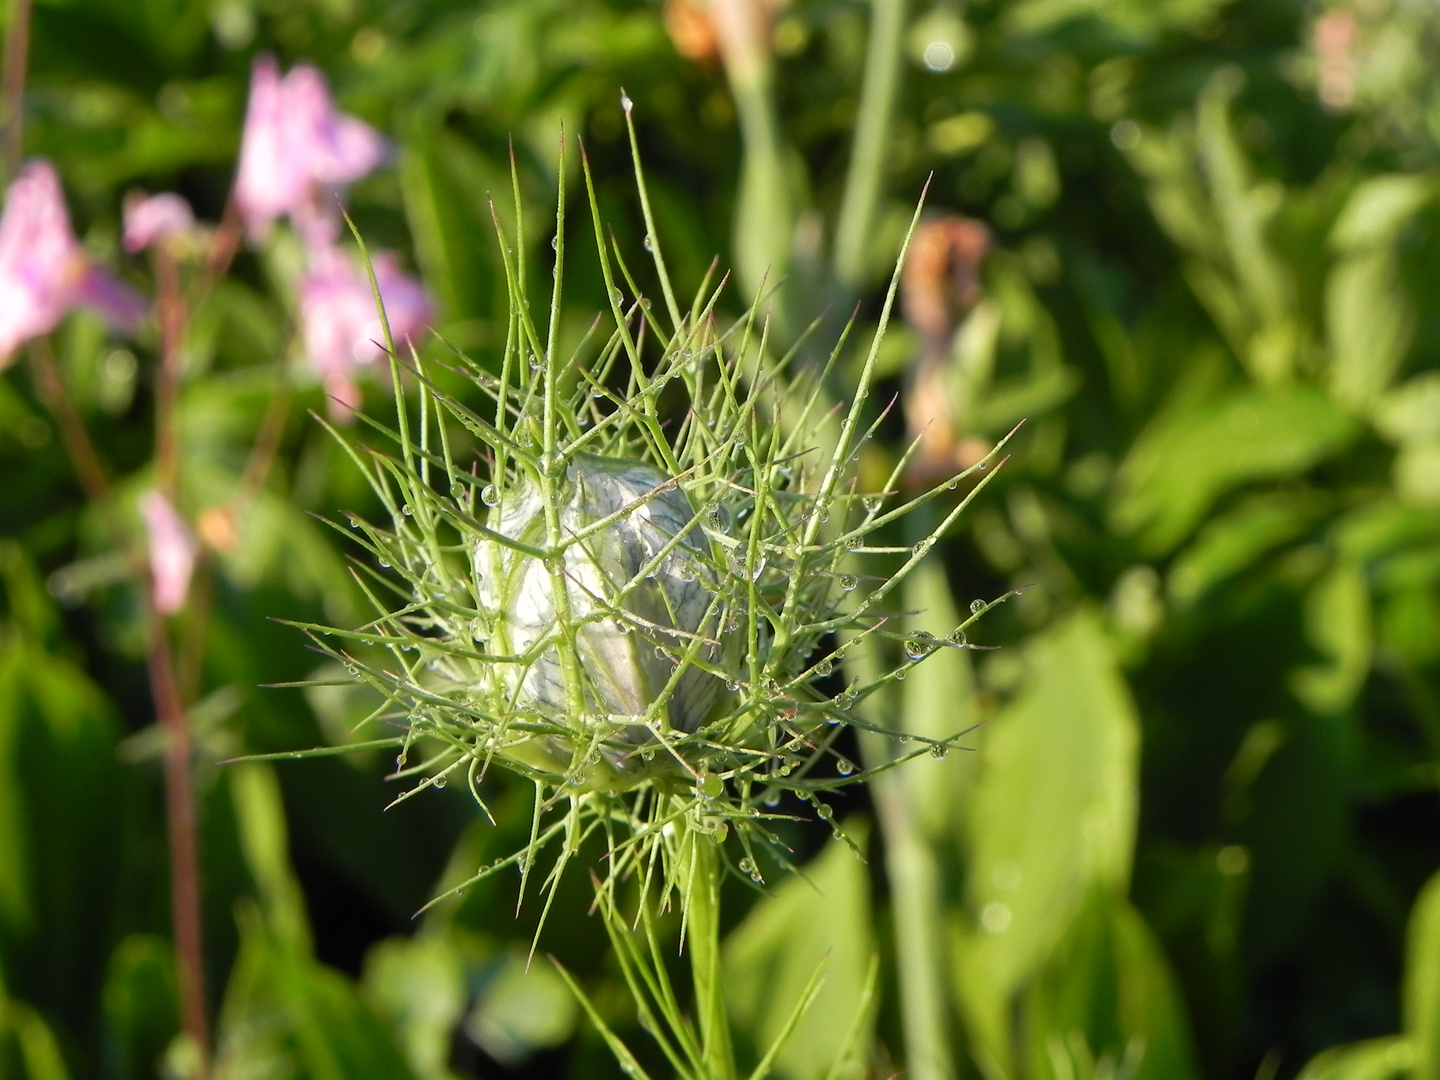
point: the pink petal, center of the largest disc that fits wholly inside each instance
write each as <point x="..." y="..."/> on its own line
<point x="337" y="148"/>
<point x="294" y="142"/>
<point x="148" y="220"/>
<point x="341" y="326"/>
<point x="271" y="178"/>
<point x="172" y="552"/>
<point x="41" y="265"/>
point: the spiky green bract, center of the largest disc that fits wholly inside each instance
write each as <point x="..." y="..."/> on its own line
<point x="631" y="589"/>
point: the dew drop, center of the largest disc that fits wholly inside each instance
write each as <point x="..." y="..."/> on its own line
<point x="825" y="667"/>
<point x="649" y="243"/>
<point x="977" y="606"/>
<point x="824" y="812"/>
<point x="852" y="542"/>
<point x="921" y="548"/>
<point x="439" y="781"/>
<point x="957" y="637"/>
<point x="490" y="495"/>
<point x="732" y="685"/>
<point x="616" y="296"/>
<point x="746" y="866"/>
<point x="939" y="750"/>
<point x="405" y="509"/>
<point x="873" y="503"/>
<point x="982" y="466"/>
<point x="900" y="674"/>
<point x="848" y="582"/>
<point x="953" y="484"/>
<point x="920" y="646"/>
<point x="771" y="797"/>
<point x="354" y="523"/>
<point x="844" y="766"/>
<point x="555" y="243"/>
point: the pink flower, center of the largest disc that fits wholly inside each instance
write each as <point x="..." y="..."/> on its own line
<point x="172" y="552"/>
<point x="295" y="143"/>
<point x="341" y="326"/>
<point x="151" y="219"/>
<point x="43" y="271"/>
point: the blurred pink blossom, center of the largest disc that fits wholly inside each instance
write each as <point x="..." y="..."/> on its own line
<point x="341" y="326"/>
<point x="295" y="144"/>
<point x="153" y="218"/>
<point x="172" y="552"/>
<point x="43" y="271"/>
<point x="1334" y="40"/>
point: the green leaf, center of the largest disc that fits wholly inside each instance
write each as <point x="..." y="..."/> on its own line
<point x="1107" y="994"/>
<point x="419" y="985"/>
<point x="260" y="819"/>
<point x="28" y="1048"/>
<point x="1369" y="322"/>
<point x="1232" y="542"/>
<point x="286" y="1015"/>
<point x="520" y="1011"/>
<point x="1338" y="625"/>
<point x="820" y="918"/>
<point x="1184" y="461"/>
<point x="1376" y="1059"/>
<point x="446" y="183"/>
<point x="141" y="1009"/>
<point x="1052" y="816"/>
<point x="64" y="814"/>
<point x="1422" y="981"/>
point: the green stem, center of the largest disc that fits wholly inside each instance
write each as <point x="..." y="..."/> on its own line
<point x="914" y="873"/>
<point x="912" y="860"/>
<point x="855" y="228"/>
<point x="702" y="938"/>
<point x="764" y="223"/>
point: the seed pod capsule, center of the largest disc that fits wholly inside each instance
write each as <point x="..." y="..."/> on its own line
<point x="641" y="591"/>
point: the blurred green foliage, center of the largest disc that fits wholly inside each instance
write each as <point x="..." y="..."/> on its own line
<point x="1195" y="835"/>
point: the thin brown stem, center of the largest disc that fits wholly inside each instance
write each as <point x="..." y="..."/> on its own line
<point x="170" y="312"/>
<point x="50" y="387"/>
<point x="223" y="246"/>
<point x="267" y="444"/>
<point x="12" y="84"/>
<point x="184" y="850"/>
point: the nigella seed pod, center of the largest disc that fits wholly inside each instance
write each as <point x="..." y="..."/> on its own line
<point x="625" y="606"/>
<point x="641" y="597"/>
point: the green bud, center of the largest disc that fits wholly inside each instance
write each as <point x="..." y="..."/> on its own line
<point x="640" y="590"/>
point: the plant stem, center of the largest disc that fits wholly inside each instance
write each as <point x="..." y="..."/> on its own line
<point x="906" y="806"/>
<point x="12" y="84"/>
<point x="50" y="387"/>
<point x="854" y="231"/>
<point x="184" y="850"/>
<point x="764" y="225"/>
<point x="702" y="938"/>
<point x="912" y="868"/>
<point x="170" y="313"/>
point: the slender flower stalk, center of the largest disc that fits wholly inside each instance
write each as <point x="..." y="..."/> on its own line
<point x="12" y="84"/>
<point x="637" y="596"/>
